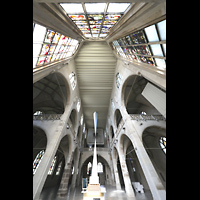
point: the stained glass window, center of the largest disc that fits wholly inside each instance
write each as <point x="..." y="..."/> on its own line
<point x="37" y="160"/>
<point x="93" y="14"/>
<point x="145" y="46"/>
<point x="50" y="46"/>
<point x="163" y="143"/>
<point x="50" y="172"/>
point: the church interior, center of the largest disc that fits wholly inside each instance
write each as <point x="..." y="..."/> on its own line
<point x="99" y="99"/>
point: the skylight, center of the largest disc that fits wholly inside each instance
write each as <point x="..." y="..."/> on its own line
<point x="95" y="7"/>
<point x="95" y="19"/>
<point x="117" y="7"/>
<point x="72" y="8"/>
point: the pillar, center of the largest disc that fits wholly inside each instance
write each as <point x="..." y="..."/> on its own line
<point x="63" y="188"/>
<point x="117" y="181"/>
<point x="155" y="185"/>
<point x="125" y="173"/>
<point x="76" y="163"/>
<point x="42" y="171"/>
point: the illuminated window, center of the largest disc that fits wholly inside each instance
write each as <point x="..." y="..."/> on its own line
<point x="38" y="112"/>
<point x="100" y="168"/>
<point x="59" y="168"/>
<point x="117" y="7"/>
<point x="145" y="46"/>
<point x="72" y="78"/>
<point x="37" y="160"/>
<point x="50" y="46"/>
<point x="82" y="120"/>
<point x="89" y="167"/>
<point x="72" y="8"/>
<point x="84" y="129"/>
<point x="78" y="106"/>
<point x="163" y="144"/>
<point x="50" y="172"/>
<point x="95" y="7"/>
<point x="90" y="21"/>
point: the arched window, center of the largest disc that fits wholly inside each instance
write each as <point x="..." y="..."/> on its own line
<point x="38" y="112"/>
<point x="89" y="168"/>
<point x="50" y="172"/>
<point x="163" y="143"/>
<point x="37" y="161"/>
<point x="100" y="167"/>
<point x="59" y="168"/>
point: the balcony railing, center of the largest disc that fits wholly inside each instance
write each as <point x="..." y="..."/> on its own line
<point x="140" y="117"/>
<point x="47" y="117"/>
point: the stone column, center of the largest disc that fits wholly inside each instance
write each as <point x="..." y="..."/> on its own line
<point x="40" y="176"/>
<point x="155" y="184"/>
<point x="76" y="163"/>
<point x="116" y="174"/>
<point x="63" y="189"/>
<point x="125" y="173"/>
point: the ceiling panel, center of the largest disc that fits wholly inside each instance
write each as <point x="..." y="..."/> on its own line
<point x="95" y="67"/>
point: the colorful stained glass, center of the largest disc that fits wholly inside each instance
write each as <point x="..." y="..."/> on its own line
<point x="52" y="47"/>
<point x="50" y="172"/>
<point x="41" y="60"/>
<point x="95" y="27"/>
<point x="80" y="22"/>
<point x="56" y="38"/>
<point x="110" y="22"/>
<point x="112" y="17"/>
<point x="37" y="160"/>
<point x="95" y="17"/>
<point x="143" y="49"/>
<point x="138" y="37"/>
<point x="49" y="36"/>
<point x="45" y="49"/>
<point x="77" y="17"/>
<point x="48" y="59"/>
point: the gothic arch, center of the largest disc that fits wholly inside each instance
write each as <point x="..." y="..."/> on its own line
<point x="117" y="117"/>
<point x="51" y="94"/>
<point x="39" y="140"/>
<point x="151" y="141"/>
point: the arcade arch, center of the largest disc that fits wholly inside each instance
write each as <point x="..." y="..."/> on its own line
<point x="151" y="141"/>
<point x="51" y="94"/>
<point x="132" y="98"/>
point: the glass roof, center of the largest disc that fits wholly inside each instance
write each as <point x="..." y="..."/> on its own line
<point x="95" y="19"/>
